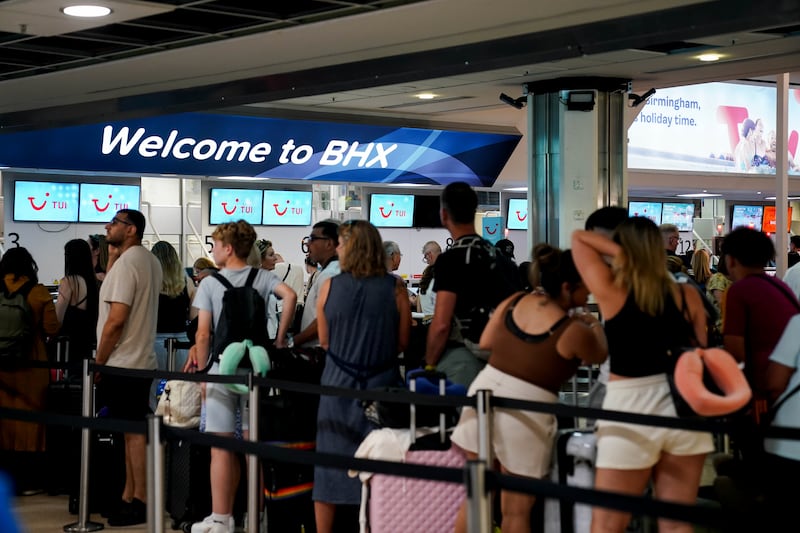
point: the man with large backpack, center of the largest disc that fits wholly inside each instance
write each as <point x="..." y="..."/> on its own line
<point x="471" y="279"/>
<point x="232" y="312"/>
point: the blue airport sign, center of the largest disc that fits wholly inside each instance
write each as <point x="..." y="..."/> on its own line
<point x="226" y="145"/>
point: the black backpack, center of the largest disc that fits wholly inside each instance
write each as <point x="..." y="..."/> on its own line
<point x="499" y="280"/>
<point x="243" y="317"/>
<point x="16" y="324"/>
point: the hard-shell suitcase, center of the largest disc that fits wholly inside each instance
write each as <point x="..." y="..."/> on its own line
<point x="573" y="465"/>
<point x="106" y="473"/>
<point x="62" y="443"/>
<point x="188" y="490"/>
<point x="408" y="505"/>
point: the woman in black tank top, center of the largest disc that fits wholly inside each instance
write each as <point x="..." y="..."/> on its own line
<point x="646" y="314"/>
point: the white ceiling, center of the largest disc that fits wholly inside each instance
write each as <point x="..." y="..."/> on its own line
<point x="372" y="65"/>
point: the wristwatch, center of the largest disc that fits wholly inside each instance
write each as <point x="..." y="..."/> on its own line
<point x="289" y="340"/>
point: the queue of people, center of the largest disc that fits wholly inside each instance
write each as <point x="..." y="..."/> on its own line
<point x="355" y="315"/>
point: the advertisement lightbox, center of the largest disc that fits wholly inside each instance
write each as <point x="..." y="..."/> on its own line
<point x="711" y="127"/>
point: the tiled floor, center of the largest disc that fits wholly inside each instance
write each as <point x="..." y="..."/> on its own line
<point x="49" y="514"/>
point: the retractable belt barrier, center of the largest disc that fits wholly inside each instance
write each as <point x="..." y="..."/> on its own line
<point x="493" y="480"/>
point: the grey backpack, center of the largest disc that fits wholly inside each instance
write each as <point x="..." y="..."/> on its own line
<point x="16" y="324"/>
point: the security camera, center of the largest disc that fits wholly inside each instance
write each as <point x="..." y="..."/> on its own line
<point x="517" y="103"/>
<point x="636" y="99"/>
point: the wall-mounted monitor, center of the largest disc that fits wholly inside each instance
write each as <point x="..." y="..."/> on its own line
<point x="680" y="214"/>
<point x="768" y="224"/>
<point x="391" y="210"/>
<point x="287" y="208"/>
<point x="426" y="212"/>
<point x="517" y="215"/>
<point x="45" y="201"/>
<point x="749" y="216"/>
<point x="651" y="210"/>
<point x="230" y="205"/>
<point x="99" y="201"/>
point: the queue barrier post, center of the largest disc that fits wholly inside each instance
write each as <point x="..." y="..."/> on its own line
<point x="479" y="514"/>
<point x="83" y="524"/>
<point x="483" y="406"/>
<point x="252" y="460"/>
<point x="155" y="475"/>
<point x="171" y="353"/>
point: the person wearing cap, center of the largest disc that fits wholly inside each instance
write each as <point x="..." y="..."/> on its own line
<point x="505" y="247"/>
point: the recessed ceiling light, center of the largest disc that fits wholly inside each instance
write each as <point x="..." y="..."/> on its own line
<point x="758" y="192"/>
<point x="516" y="189"/>
<point x="698" y="195"/>
<point x="766" y="197"/>
<point x="426" y="96"/>
<point x="709" y="57"/>
<point x="86" y="11"/>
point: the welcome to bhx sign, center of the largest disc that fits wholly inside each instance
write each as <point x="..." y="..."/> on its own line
<point x="224" y="145"/>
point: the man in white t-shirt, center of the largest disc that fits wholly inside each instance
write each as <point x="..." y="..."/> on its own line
<point x="792" y="279"/>
<point x="321" y="246"/>
<point x="783" y="455"/>
<point x="126" y="332"/>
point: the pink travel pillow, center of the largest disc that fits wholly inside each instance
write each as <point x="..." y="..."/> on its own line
<point x="726" y="374"/>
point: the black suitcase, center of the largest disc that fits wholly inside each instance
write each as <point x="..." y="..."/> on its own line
<point x="188" y="491"/>
<point x="287" y="497"/>
<point x="289" y="419"/>
<point x="63" y="443"/>
<point x="106" y="473"/>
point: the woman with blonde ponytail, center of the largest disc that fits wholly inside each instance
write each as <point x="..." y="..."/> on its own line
<point x="647" y="318"/>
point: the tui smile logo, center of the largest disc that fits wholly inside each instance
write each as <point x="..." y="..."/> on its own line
<point x="491" y="230"/>
<point x="97" y="205"/>
<point x="233" y="210"/>
<point x="278" y="211"/>
<point x="522" y="217"/>
<point x="386" y="215"/>
<point x="38" y="207"/>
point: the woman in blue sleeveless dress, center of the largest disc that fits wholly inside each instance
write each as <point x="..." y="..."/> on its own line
<point x="363" y="320"/>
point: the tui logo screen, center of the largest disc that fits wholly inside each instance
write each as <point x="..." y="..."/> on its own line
<point x="287" y="208"/>
<point x="492" y="229"/>
<point x="230" y="205"/>
<point x="391" y="210"/>
<point x="517" y="215"/>
<point x="100" y="201"/>
<point x="45" y="201"/>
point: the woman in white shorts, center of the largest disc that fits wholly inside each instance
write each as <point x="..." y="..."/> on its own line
<point x="535" y="346"/>
<point x="648" y="318"/>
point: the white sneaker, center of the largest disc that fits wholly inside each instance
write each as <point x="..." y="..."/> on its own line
<point x="209" y="525"/>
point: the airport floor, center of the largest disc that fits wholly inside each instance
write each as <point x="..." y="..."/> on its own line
<point x="49" y="514"/>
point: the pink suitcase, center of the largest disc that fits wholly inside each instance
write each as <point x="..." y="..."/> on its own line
<point x="406" y="505"/>
<point x="409" y="505"/>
